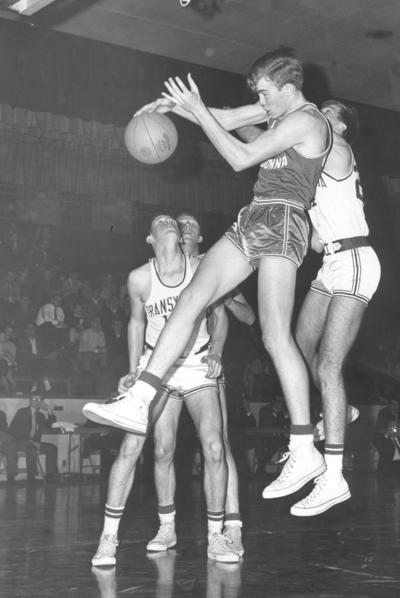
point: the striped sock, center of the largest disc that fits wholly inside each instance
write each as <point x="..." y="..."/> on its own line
<point x="112" y="518"/>
<point x="333" y="454"/>
<point x="166" y="513"/>
<point x="233" y="520"/>
<point x="215" y="521"/>
<point x="301" y="436"/>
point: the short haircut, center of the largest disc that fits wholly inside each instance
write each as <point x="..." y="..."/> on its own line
<point x="348" y="115"/>
<point x="280" y="66"/>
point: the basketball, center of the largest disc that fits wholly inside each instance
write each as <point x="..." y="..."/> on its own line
<point x="151" y="138"/>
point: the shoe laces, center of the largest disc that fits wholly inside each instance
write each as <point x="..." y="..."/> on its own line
<point x="165" y="530"/>
<point x="108" y="544"/>
<point x="219" y="542"/>
<point x="319" y="486"/>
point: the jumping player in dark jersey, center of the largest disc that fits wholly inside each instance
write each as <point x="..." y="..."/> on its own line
<point x="271" y="234"/>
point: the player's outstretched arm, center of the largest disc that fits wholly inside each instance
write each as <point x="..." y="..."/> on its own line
<point x="229" y="118"/>
<point x="292" y="131"/>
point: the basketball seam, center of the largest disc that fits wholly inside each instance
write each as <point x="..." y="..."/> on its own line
<point x="151" y="139"/>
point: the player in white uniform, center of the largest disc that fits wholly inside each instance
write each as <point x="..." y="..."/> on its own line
<point x="239" y="307"/>
<point x="154" y="290"/>
<point x="333" y="309"/>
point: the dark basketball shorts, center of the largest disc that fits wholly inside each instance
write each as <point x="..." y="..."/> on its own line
<point x="271" y="228"/>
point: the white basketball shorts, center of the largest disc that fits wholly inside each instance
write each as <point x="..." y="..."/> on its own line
<point x="353" y="273"/>
<point x="186" y="377"/>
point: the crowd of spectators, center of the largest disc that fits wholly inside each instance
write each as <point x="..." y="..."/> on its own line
<point x="57" y="325"/>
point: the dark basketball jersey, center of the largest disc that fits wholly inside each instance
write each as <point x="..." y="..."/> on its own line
<point x="290" y="175"/>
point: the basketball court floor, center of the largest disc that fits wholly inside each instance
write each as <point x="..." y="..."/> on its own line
<point x="49" y="533"/>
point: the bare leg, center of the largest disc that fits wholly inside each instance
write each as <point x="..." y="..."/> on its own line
<point x="342" y="325"/>
<point x="205" y="410"/>
<point x="232" y="493"/>
<point x="310" y="327"/>
<point x="164" y="473"/>
<point x="276" y="286"/>
<point x="123" y="470"/>
<point x="277" y="279"/>
<point x="164" y="449"/>
<point x="222" y="268"/>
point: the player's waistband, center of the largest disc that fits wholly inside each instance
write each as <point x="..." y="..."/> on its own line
<point x="260" y="200"/>
<point x="202" y="348"/>
<point x="345" y="244"/>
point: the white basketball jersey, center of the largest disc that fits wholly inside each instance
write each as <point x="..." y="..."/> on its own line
<point x="338" y="209"/>
<point x="160" y="304"/>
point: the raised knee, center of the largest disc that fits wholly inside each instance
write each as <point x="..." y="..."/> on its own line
<point x="131" y="448"/>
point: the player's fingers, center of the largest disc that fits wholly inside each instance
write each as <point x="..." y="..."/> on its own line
<point x="180" y="84"/>
<point x="172" y="87"/>
<point x="193" y="86"/>
<point x="170" y="98"/>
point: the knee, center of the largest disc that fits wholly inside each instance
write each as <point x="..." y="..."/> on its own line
<point x="328" y="367"/>
<point x="274" y="337"/>
<point x="213" y="450"/>
<point x="164" y="452"/>
<point x="130" y="449"/>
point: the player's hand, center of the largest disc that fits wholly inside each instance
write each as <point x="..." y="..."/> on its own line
<point x="213" y="360"/>
<point x="161" y="105"/>
<point x="187" y="98"/>
<point x="126" y="382"/>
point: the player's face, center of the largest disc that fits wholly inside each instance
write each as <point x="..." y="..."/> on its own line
<point x="164" y="225"/>
<point x="189" y="229"/>
<point x="272" y="99"/>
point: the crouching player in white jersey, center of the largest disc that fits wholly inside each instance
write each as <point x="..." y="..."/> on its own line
<point x="332" y="312"/>
<point x="154" y="289"/>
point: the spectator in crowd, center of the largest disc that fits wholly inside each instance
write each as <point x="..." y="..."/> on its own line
<point x="14" y="244"/>
<point x="50" y="320"/>
<point x="108" y="288"/>
<point x="92" y="346"/>
<point x="10" y="287"/>
<point x="31" y="356"/>
<point x="8" y="361"/>
<point x="23" y="313"/>
<point x="71" y="285"/>
<point x="117" y="350"/>
<point x="107" y="442"/>
<point x="90" y="301"/>
<point x="76" y="326"/>
<point x="43" y="255"/>
<point x="258" y="380"/>
<point x="6" y="446"/>
<point x="44" y="286"/>
<point x="387" y="437"/>
<point x="110" y="312"/>
<point x="26" y="429"/>
<point x="125" y="310"/>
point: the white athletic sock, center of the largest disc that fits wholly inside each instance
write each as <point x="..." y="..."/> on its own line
<point x="146" y="391"/>
<point x="167" y="518"/>
<point x="112" y="519"/>
<point x="301" y="440"/>
<point x="334" y="464"/>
